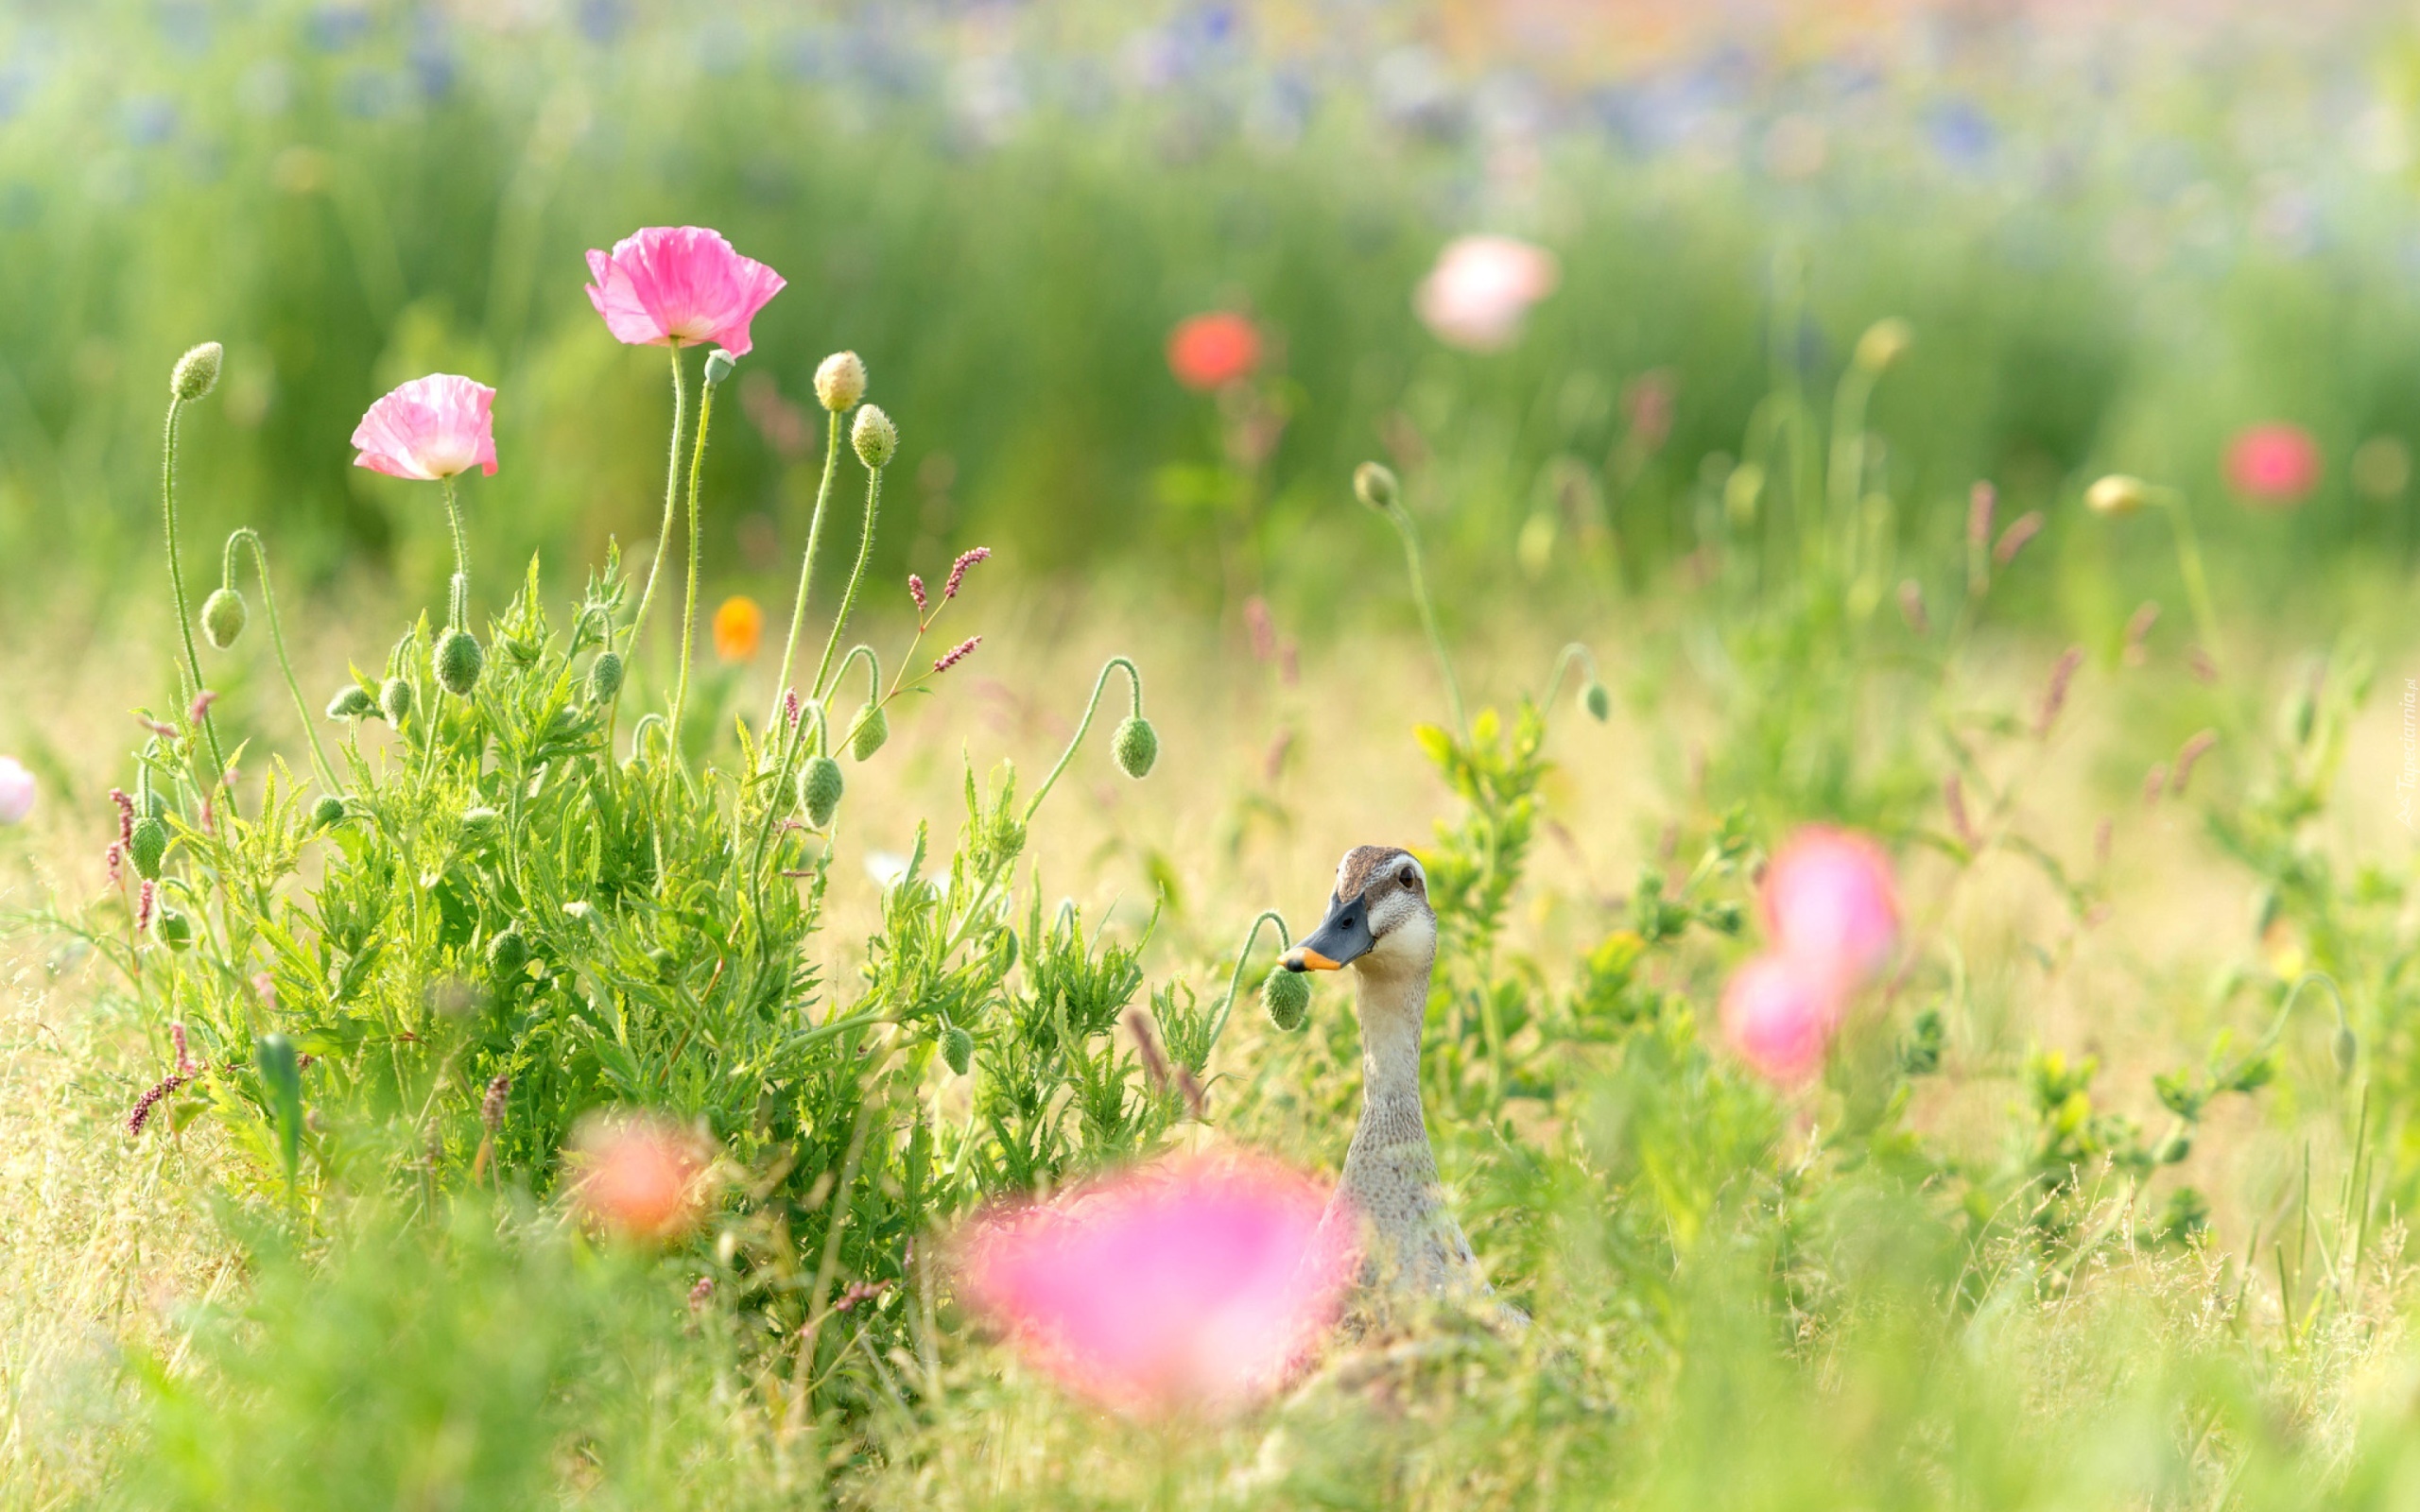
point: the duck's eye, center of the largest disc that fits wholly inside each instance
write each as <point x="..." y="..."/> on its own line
<point x="1409" y="878"/>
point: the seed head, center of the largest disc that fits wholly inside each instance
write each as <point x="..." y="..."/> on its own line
<point x="719" y="365"/>
<point x="605" y="677"/>
<point x="351" y="701"/>
<point x="223" y="614"/>
<point x="958" y="569"/>
<point x="125" y="814"/>
<point x="819" y="789"/>
<point x="1136" y="746"/>
<point x="507" y="955"/>
<point x="197" y="372"/>
<point x="840" y="381"/>
<point x="456" y="662"/>
<point x="958" y="1049"/>
<point x="327" y="813"/>
<point x="957" y="653"/>
<point x="1595" y="702"/>
<point x="2117" y="494"/>
<point x="872" y="728"/>
<point x="395" y="700"/>
<point x="916" y="592"/>
<point x="1373" y="484"/>
<point x="1286" y="996"/>
<point x="491" y="1106"/>
<point x="874" y="437"/>
<point x="148" y="846"/>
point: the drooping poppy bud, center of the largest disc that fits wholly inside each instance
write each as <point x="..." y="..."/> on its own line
<point x="351" y="701"/>
<point x="820" y="788"/>
<point x="395" y="700"/>
<point x="958" y="1049"/>
<point x="1287" y="997"/>
<point x="458" y="662"/>
<point x="1136" y="746"/>
<point x="223" y="616"/>
<point x="872" y="728"/>
<point x="605" y="677"/>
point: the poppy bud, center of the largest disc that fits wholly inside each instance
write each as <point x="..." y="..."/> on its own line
<point x="2345" y="1048"/>
<point x="1136" y="746"/>
<point x="1883" y="343"/>
<point x="329" y="811"/>
<point x="818" y="788"/>
<point x="1373" y="484"/>
<point x="148" y="846"/>
<point x="719" y="365"/>
<point x="1595" y="701"/>
<point x="352" y="702"/>
<point x="176" y="929"/>
<point x="2117" y="494"/>
<point x="958" y="1049"/>
<point x="1286" y="996"/>
<point x="874" y="437"/>
<point x="222" y="617"/>
<point x="395" y="700"/>
<point x="456" y="662"/>
<point x="479" y="823"/>
<point x="507" y="955"/>
<point x="874" y="728"/>
<point x="197" y="372"/>
<point x="604" y="677"/>
<point x="840" y="381"/>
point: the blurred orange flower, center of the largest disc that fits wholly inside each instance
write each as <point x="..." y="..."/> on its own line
<point x="739" y="625"/>
<point x="1209" y="352"/>
<point x="637" y="1177"/>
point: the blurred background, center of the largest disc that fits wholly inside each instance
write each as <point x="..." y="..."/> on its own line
<point x="2120" y="237"/>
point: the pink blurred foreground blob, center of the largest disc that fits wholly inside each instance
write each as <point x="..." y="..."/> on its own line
<point x="1829" y="902"/>
<point x="679" y="286"/>
<point x="1480" y="288"/>
<point x="16" y="791"/>
<point x="1194" y="1283"/>
<point x="430" y="428"/>
<point x="2274" y="464"/>
<point x="1778" y="1016"/>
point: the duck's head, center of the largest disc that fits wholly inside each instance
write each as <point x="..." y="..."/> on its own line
<point x="1378" y="916"/>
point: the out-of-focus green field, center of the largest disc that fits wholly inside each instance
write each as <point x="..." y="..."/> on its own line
<point x="2096" y="1196"/>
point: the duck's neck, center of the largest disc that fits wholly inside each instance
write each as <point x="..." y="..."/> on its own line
<point x="1391" y="1002"/>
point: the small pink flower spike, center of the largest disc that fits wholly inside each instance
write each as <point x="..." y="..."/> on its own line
<point x="677" y="286"/>
<point x="1200" y="1281"/>
<point x="1778" y="1015"/>
<point x="16" y="791"/>
<point x="1829" y="902"/>
<point x="432" y="427"/>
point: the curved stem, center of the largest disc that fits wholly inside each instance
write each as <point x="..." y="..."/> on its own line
<point x="806" y="563"/>
<point x="671" y="505"/>
<point x="873" y="686"/>
<point x="458" y="601"/>
<point x="248" y="536"/>
<point x="1285" y="937"/>
<point x="857" y="576"/>
<point x="1573" y="652"/>
<point x="1135" y="680"/>
<point x="1402" y="522"/>
<point x="2294" y="995"/>
<point x="177" y="587"/>
<point x="689" y="603"/>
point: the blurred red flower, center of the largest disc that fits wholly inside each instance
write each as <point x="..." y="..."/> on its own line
<point x="2274" y="465"/>
<point x="1209" y="352"/>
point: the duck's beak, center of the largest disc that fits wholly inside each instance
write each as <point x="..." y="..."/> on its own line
<point x="1343" y="936"/>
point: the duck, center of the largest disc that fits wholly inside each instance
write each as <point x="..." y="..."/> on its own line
<point x="1388" y="1204"/>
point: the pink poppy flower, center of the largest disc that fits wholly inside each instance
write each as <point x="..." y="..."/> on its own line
<point x="1209" y="352"/>
<point x="1829" y="902"/>
<point x="1199" y="1282"/>
<point x="432" y="427"/>
<point x="678" y="286"/>
<point x="16" y="791"/>
<point x="2276" y="464"/>
<point x="1480" y="288"/>
<point x="641" y="1178"/>
<point x="1778" y="1015"/>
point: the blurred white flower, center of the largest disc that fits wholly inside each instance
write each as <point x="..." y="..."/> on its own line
<point x="885" y="866"/>
<point x="16" y="791"/>
<point x="1480" y="288"/>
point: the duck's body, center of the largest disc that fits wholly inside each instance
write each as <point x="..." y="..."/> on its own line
<point x="1389" y="1200"/>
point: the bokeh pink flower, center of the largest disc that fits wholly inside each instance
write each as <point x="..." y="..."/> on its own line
<point x="638" y="1177"/>
<point x="2276" y="464"/>
<point x="1207" y="352"/>
<point x="1480" y="289"/>
<point x="679" y="286"/>
<point x="432" y="427"/>
<point x="1831" y="916"/>
<point x="1828" y="901"/>
<point x="1197" y="1282"/>
<point x="16" y="791"/>
<point x="1778" y="1015"/>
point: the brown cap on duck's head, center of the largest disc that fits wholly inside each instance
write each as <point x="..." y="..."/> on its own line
<point x="1379" y="909"/>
